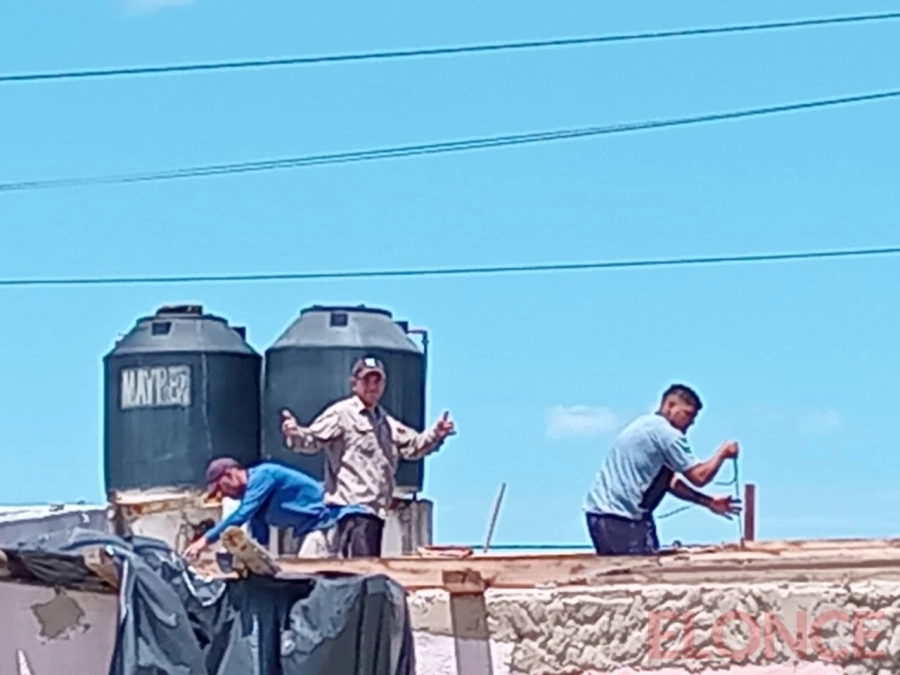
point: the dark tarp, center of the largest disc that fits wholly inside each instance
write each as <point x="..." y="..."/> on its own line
<point x="173" y="622"/>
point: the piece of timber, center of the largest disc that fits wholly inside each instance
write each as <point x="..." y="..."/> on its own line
<point x="465" y="582"/>
<point x="590" y="570"/>
<point x="820" y="545"/>
<point x="248" y="555"/>
<point x="102" y="564"/>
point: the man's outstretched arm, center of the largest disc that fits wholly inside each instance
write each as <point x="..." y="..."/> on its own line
<point x="413" y="445"/>
<point x="722" y="505"/>
<point x="324" y="430"/>
<point x="685" y="492"/>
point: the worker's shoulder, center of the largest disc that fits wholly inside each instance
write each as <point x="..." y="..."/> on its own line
<point x="268" y="468"/>
<point x="348" y="404"/>
<point x="279" y="471"/>
<point x="653" y="425"/>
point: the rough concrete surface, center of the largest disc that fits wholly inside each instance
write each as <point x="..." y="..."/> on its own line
<point x="59" y="617"/>
<point x="50" y="631"/>
<point x="608" y="629"/>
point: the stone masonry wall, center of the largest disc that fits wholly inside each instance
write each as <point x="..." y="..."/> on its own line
<point x="607" y="629"/>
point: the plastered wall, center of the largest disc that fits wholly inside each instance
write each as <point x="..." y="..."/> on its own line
<point x="44" y="631"/>
<point x="584" y="631"/>
<point x="608" y="630"/>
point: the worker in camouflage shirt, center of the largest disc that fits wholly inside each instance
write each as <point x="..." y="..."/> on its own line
<point x="363" y="445"/>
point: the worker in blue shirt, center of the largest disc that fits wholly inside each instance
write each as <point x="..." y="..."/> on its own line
<point x="271" y="495"/>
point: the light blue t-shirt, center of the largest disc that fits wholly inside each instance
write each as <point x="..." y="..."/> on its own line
<point x="636" y="473"/>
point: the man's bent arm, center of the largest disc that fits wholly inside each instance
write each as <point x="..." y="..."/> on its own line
<point x="258" y="490"/>
<point x="684" y="491"/>
<point x="413" y="445"/>
<point x="702" y="473"/>
<point x="323" y="431"/>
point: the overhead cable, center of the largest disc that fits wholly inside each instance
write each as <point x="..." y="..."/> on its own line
<point x="396" y="152"/>
<point x="244" y="64"/>
<point x="452" y="271"/>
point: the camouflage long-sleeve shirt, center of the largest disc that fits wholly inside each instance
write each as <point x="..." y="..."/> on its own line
<point x="362" y="449"/>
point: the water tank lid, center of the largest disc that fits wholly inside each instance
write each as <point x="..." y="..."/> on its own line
<point x="180" y="310"/>
<point x="182" y="329"/>
<point x="346" y="308"/>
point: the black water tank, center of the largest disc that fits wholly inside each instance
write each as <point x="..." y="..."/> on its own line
<point x="308" y="368"/>
<point x="181" y="388"/>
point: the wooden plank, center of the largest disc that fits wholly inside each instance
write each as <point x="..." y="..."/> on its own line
<point x="463" y="582"/>
<point x="459" y="571"/>
<point x="822" y="544"/>
<point x="445" y="552"/>
<point x="581" y="570"/>
<point x="101" y="563"/>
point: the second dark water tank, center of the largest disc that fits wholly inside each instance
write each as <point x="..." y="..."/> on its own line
<point x="181" y="388"/>
<point x="308" y="368"/>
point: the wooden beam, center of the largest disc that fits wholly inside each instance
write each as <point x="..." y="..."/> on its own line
<point x="463" y="582"/>
<point x="813" y="545"/>
<point x="461" y="571"/>
<point x="101" y="563"/>
<point x="476" y="573"/>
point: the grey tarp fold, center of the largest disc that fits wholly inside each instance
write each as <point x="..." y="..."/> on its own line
<point x="173" y="622"/>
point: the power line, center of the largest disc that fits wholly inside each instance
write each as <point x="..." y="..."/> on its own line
<point x="441" y="51"/>
<point x="436" y="148"/>
<point x="453" y="271"/>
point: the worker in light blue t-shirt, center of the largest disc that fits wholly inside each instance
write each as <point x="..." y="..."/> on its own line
<point x="641" y="468"/>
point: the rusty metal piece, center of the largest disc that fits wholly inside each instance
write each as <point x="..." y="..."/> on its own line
<point x="749" y="512"/>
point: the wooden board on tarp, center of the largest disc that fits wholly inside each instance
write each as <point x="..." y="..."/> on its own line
<point x="247" y="555"/>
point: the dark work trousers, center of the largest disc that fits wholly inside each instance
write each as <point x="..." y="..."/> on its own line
<point x="614" y="535"/>
<point x="359" y="536"/>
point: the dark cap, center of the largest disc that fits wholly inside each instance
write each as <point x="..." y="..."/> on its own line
<point x="218" y="468"/>
<point x="368" y="364"/>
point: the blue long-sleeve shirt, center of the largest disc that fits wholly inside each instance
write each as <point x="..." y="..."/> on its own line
<point x="282" y="497"/>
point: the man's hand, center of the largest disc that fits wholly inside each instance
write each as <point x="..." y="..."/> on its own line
<point x="289" y="427"/>
<point x="445" y="426"/>
<point x="725" y="506"/>
<point x="729" y="450"/>
<point x="192" y="551"/>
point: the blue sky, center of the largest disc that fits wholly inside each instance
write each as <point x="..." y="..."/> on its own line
<point x="797" y="361"/>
